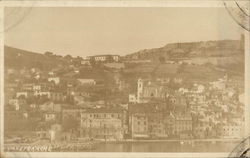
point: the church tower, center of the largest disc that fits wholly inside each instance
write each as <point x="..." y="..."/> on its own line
<point x="139" y="90"/>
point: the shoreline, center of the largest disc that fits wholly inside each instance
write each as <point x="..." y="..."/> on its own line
<point x="138" y="141"/>
<point x="173" y="140"/>
<point x="89" y="146"/>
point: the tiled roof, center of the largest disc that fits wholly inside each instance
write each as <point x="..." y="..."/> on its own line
<point x="142" y="108"/>
<point x="103" y="110"/>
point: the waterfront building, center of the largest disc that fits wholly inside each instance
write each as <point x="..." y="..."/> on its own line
<point x="146" y="121"/>
<point x="169" y="121"/>
<point x="182" y="123"/>
<point x="232" y="131"/>
<point x="55" y="132"/>
<point x="139" y="125"/>
<point x="16" y="121"/>
<point x="103" y="123"/>
<point x="43" y="134"/>
<point x="200" y="130"/>
<point x="156" y="126"/>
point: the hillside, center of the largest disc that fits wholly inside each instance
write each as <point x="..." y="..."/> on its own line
<point x="213" y="58"/>
<point x="209" y="51"/>
<point x="196" y="61"/>
<point x="17" y="58"/>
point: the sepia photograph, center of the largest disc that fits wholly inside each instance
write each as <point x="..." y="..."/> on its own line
<point x="124" y="79"/>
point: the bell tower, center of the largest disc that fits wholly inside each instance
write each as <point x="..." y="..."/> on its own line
<point x="139" y="90"/>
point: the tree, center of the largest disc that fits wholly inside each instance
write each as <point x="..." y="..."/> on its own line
<point x="68" y="57"/>
<point x="92" y="61"/>
<point x="79" y="58"/>
<point x="162" y="59"/>
<point x="31" y="100"/>
<point x="42" y="99"/>
<point x="48" y="54"/>
<point x="40" y="65"/>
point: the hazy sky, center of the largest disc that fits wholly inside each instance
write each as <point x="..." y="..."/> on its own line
<point x="90" y="31"/>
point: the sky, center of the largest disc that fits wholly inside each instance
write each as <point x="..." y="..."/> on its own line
<point x="82" y="31"/>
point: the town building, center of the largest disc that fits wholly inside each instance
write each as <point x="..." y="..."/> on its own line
<point x="57" y="96"/>
<point x="183" y="124"/>
<point x="147" y="90"/>
<point x="50" y="107"/>
<point x="105" y="58"/>
<point x="43" y="134"/>
<point x="17" y="103"/>
<point x="50" y="116"/>
<point x="132" y="98"/>
<point x="103" y="123"/>
<point x="71" y="112"/>
<point x="56" y="80"/>
<point x="37" y="88"/>
<point x="115" y="65"/>
<point x="220" y="84"/>
<point x="16" y="121"/>
<point x="55" y="132"/>
<point x="83" y="81"/>
<point x="51" y="73"/>
<point x="42" y="93"/>
<point x="146" y="121"/>
<point x="25" y="94"/>
<point x="27" y="87"/>
<point x="86" y="62"/>
<point x="232" y="130"/>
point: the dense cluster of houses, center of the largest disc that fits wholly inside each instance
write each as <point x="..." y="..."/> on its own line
<point x="207" y="110"/>
<point x="46" y="105"/>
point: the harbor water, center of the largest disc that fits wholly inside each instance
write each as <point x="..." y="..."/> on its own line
<point x="167" y="146"/>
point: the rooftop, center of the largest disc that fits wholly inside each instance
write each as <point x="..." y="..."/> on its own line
<point x="103" y="110"/>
